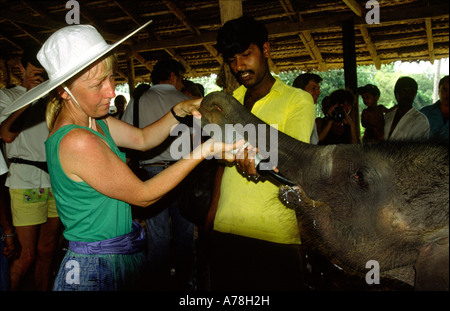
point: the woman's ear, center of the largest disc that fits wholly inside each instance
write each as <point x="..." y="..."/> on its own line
<point x="62" y="93"/>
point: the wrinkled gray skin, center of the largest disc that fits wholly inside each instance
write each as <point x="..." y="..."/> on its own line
<point x="387" y="202"/>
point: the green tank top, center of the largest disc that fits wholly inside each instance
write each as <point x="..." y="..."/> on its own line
<point x="86" y="214"/>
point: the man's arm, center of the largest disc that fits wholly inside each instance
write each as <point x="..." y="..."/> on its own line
<point x="5" y="129"/>
<point x="209" y="222"/>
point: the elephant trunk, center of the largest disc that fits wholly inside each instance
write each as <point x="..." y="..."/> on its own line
<point x="277" y="148"/>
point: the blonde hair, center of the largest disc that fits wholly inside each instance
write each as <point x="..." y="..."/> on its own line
<point x="109" y="64"/>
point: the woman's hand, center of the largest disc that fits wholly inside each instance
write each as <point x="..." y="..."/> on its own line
<point x="188" y="107"/>
<point x="220" y="150"/>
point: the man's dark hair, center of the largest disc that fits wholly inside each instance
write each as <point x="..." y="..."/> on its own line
<point x="29" y="56"/>
<point x="164" y="68"/>
<point x="302" y="80"/>
<point x="443" y="80"/>
<point x="236" y="36"/>
<point x="341" y="96"/>
<point x="369" y="89"/>
<point x="405" y="82"/>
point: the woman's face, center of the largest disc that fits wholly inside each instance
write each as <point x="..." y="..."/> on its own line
<point x="94" y="90"/>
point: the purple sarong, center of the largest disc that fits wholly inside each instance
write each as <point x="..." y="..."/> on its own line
<point x="130" y="243"/>
<point x="113" y="264"/>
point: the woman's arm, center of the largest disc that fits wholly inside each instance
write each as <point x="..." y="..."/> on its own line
<point x="86" y="157"/>
<point x="128" y="136"/>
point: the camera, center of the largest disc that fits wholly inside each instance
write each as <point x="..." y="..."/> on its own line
<point x="338" y="114"/>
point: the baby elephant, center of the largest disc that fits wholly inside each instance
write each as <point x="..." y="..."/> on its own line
<point x="384" y="203"/>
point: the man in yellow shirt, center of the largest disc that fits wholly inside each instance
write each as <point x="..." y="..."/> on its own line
<point x="255" y="242"/>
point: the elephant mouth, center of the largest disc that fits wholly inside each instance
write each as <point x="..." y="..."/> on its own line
<point x="278" y="176"/>
<point x="295" y="198"/>
<point x="290" y="195"/>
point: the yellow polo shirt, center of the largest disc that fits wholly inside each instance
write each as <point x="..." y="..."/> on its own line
<point x="253" y="209"/>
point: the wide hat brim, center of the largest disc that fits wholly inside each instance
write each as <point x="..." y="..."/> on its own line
<point x="47" y="86"/>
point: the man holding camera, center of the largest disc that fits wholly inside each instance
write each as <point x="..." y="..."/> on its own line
<point x="33" y="206"/>
<point x="337" y="127"/>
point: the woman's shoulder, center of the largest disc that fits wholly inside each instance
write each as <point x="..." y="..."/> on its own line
<point x="80" y="139"/>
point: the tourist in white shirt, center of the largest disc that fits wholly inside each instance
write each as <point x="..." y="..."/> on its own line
<point x="406" y="122"/>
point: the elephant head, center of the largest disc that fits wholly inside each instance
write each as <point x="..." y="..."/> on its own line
<point x="386" y="202"/>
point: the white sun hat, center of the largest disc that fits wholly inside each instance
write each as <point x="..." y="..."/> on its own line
<point x="67" y="52"/>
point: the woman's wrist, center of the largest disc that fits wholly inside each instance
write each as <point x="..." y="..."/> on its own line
<point x="176" y="116"/>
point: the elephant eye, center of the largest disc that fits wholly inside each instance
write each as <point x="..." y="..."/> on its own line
<point x="360" y="179"/>
<point x="218" y="108"/>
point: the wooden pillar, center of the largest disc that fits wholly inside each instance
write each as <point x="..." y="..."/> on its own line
<point x="229" y="9"/>
<point x="130" y="72"/>
<point x="350" y="72"/>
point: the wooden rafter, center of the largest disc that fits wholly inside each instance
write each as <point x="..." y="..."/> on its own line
<point x="409" y="30"/>
<point x="6" y="38"/>
<point x="429" y="30"/>
<point x="48" y="24"/>
<point x="134" y="53"/>
<point x="192" y="28"/>
<point x="28" y="33"/>
<point x="359" y="11"/>
<point x="172" y="52"/>
<point x="355" y="7"/>
<point x="305" y="36"/>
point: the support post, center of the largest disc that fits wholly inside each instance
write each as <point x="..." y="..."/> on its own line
<point x="350" y="72"/>
<point x="130" y="72"/>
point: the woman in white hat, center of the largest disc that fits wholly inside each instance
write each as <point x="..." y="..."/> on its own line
<point x="92" y="184"/>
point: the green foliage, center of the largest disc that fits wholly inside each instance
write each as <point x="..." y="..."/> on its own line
<point x="384" y="79"/>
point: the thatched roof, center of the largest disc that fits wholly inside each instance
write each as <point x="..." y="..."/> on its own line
<point x="305" y="35"/>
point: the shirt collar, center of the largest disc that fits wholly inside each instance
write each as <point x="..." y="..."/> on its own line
<point x="276" y="87"/>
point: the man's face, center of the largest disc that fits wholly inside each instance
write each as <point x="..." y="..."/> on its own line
<point x="443" y="93"/>
<point x="251" y="66"/>
<point x="405" y="96"/>
<point x="313" y="88"/>
<point x="178" y="82"/>
<point x="443" y="97"/>
<point x="33" y="76"/>
<point x="369" y="99"/>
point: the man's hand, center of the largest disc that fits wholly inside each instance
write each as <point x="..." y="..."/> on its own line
<point x="33" y="77"/>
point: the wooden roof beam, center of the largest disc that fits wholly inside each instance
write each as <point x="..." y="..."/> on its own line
<point x="48" y="24"/>
<point x="192" y="28"/>
<point x="3" y="37"/>
<point x="370" y="46"/>
<point x="305" y="36"/>
<point x="135" y="53"/>
<point x="277" y="29"/>
<point x="429" y="30"/>
<point x="172" y="53"/>
<point x="355" y="7"/>
<point x="309" y="42"/>
<point x="28" y="33"/>
<point x="359" y="11"/>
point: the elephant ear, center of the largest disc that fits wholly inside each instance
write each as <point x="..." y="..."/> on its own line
<point x="432" y="270"/>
